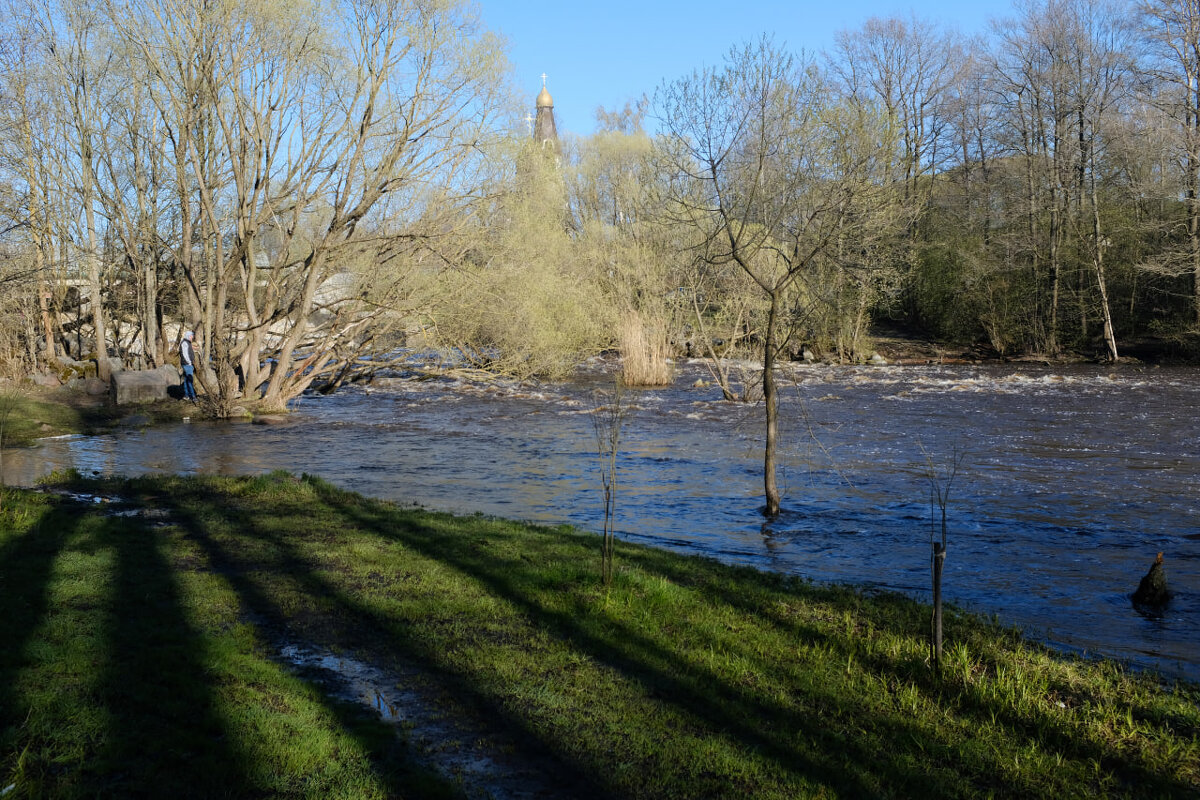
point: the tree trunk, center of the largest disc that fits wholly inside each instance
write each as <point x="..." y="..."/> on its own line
<point x="47" y="325"/>
<point x="1193" y="228"/>
<point x="771" y="399"/>
<point x="1110" y="337"/>
<point x="1055" y="275"/>
<point x="1192" y="182"/>
<point x="150" y="334"/>
<point x="93" y="272"/>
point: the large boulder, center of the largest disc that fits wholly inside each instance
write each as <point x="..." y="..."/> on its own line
<point x="142" y="386"/>
<point x="114" y="364"/>
<point x="94" y="387"/>
<point x="68" y="368"/>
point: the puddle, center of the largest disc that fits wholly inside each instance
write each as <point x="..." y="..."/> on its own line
<point x="160" y="514"/>
<point x="119" y="507"/>
<point x="88" y="498"/>
<point x="483" y="762"/>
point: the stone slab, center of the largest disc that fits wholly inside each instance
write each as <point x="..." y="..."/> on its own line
<point x="142" y="386"/>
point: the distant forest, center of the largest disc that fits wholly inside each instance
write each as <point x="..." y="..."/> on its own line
<point x="310" y="186"/>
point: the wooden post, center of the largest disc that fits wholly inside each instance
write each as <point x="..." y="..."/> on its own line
<point x="939" y="560"/>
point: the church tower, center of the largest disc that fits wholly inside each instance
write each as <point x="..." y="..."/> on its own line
<point x="544" y="132"/>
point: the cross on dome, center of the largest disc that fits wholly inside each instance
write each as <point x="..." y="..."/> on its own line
<point x="543" y="98"/>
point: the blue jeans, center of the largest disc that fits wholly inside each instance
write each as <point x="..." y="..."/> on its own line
<point x="189" y="385"/>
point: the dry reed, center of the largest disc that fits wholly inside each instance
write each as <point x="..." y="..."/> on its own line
<point x="644" y="350"/>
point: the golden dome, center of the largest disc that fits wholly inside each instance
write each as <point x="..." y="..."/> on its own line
<point x="543" y="99"/>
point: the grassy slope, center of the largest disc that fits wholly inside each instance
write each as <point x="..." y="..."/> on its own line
<point x="686" y="679"/>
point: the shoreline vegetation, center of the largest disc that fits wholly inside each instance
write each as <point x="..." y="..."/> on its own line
<point x="142" y="619"/>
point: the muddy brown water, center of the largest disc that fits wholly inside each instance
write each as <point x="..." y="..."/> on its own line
<point x="1073" y="478"/>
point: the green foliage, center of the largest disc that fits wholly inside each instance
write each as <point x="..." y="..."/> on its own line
<point x="942" y="301"/>
<point x="526" y="303"/>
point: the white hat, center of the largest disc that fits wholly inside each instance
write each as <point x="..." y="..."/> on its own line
<point x="189" y="335"/>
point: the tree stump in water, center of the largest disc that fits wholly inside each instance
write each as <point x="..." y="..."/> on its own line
<point x="1153" y="591"/>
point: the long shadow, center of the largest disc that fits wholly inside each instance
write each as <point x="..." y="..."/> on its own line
<point x="861" y="765"/>
<point x="166" y="737"/>
<point x="694" y="691"/>
<point x="1049" y="729"/>
<point x="157" y="735"/>
<point x="396" y="768"/>
<point x="26" y="561"/>
<point x="724" y="706"/>
<point x="656" y="668"/>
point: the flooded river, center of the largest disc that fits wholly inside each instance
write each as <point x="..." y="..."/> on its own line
<point x="1072" y="478"/>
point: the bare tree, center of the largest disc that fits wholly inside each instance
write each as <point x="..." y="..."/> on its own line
<point x="1173" y="32"/>
<point x="79" y="60"/>
<point x="910" y="69"/>
<point x="1062" y="71"/>
<point x="25" y="159"/>
<point x="773" y="176"/>
<point x="608" y="415"/>
<point x="1103" y="70"/>
<point x="1031" y="80"/>
<point x="940" y="486"/>
<point x="304" y="147"/>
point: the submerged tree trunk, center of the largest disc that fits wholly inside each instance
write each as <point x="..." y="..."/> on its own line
<point x="771" y="400"/>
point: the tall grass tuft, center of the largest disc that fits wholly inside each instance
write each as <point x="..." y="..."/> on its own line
<point x="644" y="350"/>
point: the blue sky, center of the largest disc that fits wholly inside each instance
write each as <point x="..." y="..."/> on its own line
<point x="608" y="53"/>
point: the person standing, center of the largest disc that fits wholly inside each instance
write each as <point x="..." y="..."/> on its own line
<point x="187" y="357"/>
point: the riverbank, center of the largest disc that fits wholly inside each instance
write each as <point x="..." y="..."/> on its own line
<point x="28" y="413"/>
<point x="902" y="348"/>
<point x="132" y="606"/>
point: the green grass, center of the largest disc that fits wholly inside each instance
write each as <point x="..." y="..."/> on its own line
<point x="137" y="660"/>
<point x="28" y="416"/>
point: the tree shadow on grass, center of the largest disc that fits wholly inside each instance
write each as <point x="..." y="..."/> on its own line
<point x="724" y="710"/>
<point x="129" y="712"/>
<point x="714" y="705"/>
<point x="892" y="610"/>
<point x="839" y="744"/>
<point x="129" y="708"/>
<point x="167" y="736"/>
<point x="110" y="686"/>
<point x="26" y="562"/>
<point x="886" y="751"/>
<point x="395" y="766"/>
